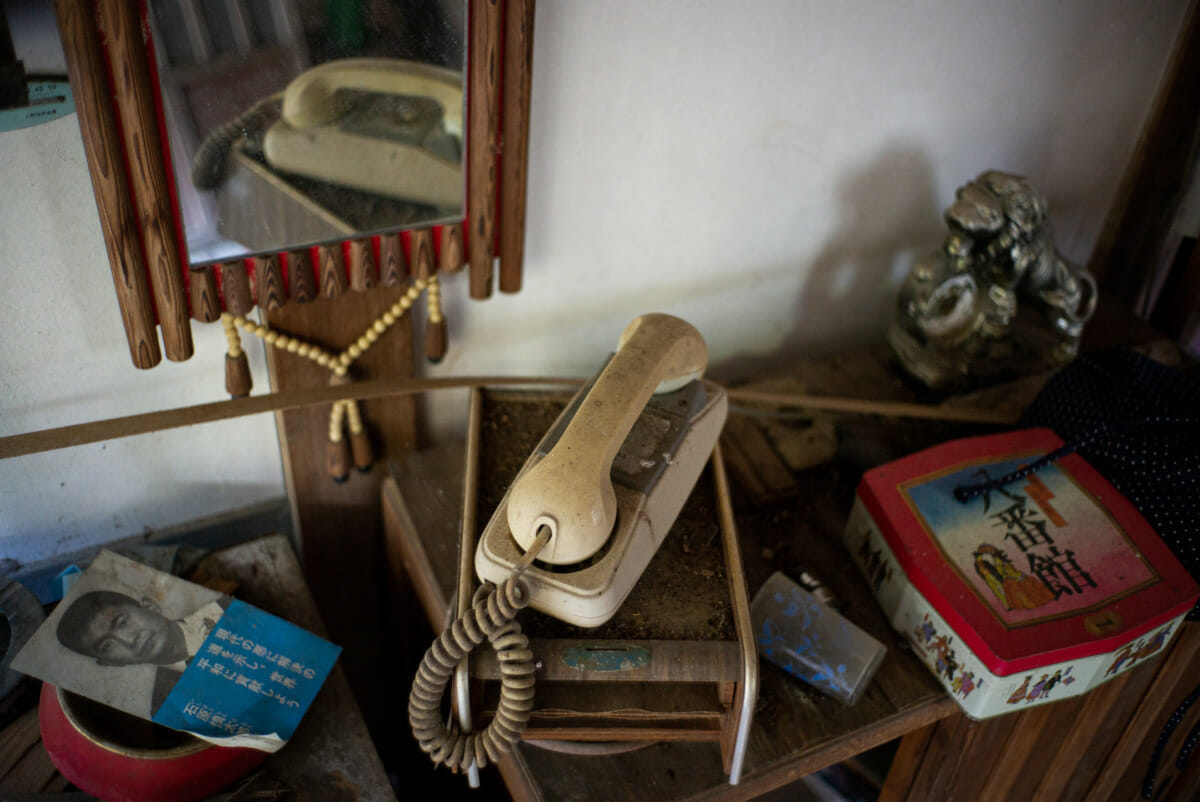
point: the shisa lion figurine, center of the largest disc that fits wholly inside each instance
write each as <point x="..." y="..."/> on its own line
<point x="996" y="300"/>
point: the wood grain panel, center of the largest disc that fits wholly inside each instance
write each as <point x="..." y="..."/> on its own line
<point x="518" y="72"/>
<point x="101" y="144"/>
<point x="484" y="108"/>
<point x="340" y="525"/>
<point x="144" y="156"/>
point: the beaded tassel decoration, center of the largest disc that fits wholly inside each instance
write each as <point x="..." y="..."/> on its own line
<point x="343" y="413"/>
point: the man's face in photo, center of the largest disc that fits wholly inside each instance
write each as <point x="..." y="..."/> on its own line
<point x="127" y="633"/>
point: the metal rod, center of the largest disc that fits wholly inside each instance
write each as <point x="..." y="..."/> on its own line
<point x="466" y="564"/>
<point x="741" y="618"/>
<point x="18" y="445"/>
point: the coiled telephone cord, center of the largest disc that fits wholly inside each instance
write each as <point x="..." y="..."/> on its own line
<point x="492" y="616"/>
<point x="208" y="165"/>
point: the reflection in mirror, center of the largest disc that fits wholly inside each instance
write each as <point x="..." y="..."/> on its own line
<point x="297" y="122"/>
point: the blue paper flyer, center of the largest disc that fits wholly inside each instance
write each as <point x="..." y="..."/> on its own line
<point x="181" y="655"/>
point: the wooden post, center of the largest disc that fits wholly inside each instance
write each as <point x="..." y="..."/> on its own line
<point x="268" y="282"/>
<point x="300" y="276"/>
<point x="235" y="288"/>
<point x="423" y="260"/>
<point x="87" y="69"/>
<point x="452" y="257"/>
<point x="363" y="275"/>
<point x="518" y="71"/>
<point x="393" y="267"/>
<point x="483" y="130"/>
<point x="206" y="303"/>
<point x="333" y="270"/>
<point x="139" y="130"/>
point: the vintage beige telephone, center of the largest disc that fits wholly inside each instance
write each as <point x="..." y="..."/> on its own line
<point x="580" y="522"/>
<point x="385" y="126"/>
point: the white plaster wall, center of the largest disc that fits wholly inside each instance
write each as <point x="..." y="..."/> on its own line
<point x="767" y="170"/>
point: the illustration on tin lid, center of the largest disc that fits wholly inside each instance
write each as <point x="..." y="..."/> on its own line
<point x="1034" y="550"/>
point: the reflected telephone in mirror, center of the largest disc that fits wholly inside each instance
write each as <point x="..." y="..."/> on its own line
<point x="389" y="127"/>
<point x="610" y="476"/>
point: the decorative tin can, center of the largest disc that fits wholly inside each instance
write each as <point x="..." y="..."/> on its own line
<point x="1028" y="593"/>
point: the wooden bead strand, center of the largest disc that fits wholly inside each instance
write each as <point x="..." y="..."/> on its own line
<point x="360" y="443"/>
<point x="237" y="368"/>
<point x="338" y="451"/>
<point x="435" y="328"/>
<point x="358" y="450"/>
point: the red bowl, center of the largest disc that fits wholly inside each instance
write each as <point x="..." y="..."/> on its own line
<point x="122" y="758"/>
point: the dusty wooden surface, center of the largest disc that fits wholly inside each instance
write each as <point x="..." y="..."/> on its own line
<point x="331" y="756"/>
<point x="339" y="525"/>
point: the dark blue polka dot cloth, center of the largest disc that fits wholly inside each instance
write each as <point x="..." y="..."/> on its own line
<point x="1138" y="423"/>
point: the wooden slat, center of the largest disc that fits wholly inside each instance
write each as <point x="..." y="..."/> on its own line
<point x="268" y="282"/>
<point x="101" y="143"/>
<point x="333" y="270"/>
<point x="1107" y="729"/>
<point x="514" y="167"/>
<point x="302" y="285"/>
<point x="453" y="256"/>
<point x="1175" y="678"/>
<point x="753" y="462"/>
<point x="905" y="764"/>
<point x="1076" y="739"/>
<point x="483" y="131"/>
<point x="986" y="737"/>
<point x="1009" y="762"/>
<point x="144" y="157"/>
<point x="393" y="266"/>
<point x="363" y="275"/>
<point x="423" y="263"/>
<point x="206" y="299"/>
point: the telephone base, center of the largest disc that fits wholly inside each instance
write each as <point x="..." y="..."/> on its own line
<point x="654" y="473"/>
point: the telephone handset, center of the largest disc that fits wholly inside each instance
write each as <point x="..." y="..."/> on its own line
<point x="386" y="126"/>
<point x="579" y="524"/>
<point x="610" y="476"/>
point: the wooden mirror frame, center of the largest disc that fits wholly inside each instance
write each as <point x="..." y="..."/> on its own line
<point x="112" y="71"/>
<point x="338" y="527"/>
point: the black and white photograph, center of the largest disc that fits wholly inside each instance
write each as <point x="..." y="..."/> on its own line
<point x="123" y="635"/>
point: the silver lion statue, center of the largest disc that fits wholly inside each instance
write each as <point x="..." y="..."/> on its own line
<point x="996" y="300"/>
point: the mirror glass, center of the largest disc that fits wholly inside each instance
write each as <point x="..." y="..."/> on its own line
<point x="296" y="122"/>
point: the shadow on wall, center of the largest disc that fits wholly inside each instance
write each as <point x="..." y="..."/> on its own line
<point x="889" y="216"/>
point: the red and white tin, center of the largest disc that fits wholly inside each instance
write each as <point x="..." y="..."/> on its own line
<point x="1026" y="594"/>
